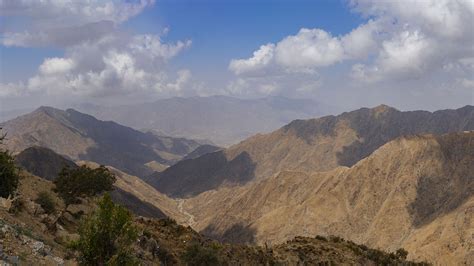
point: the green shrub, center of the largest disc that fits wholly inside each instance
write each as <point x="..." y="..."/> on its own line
<point x="165" y="256"/>
<point x="322" y="238"/>
<point x="8" y="175"/>
<point x="198" y="255"/>
<point x="106" y="236"/>
<point x="401" y="254"/>
<point x="18" y="205"/>
<point x="83" y="182"/>
<point x="46" y="202"/>
<point x="336" y="239"/>
<point x="168" y="221"/>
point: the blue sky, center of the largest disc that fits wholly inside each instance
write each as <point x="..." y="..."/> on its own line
<point x="220" y="30"/>
<point x="411" y="53"/>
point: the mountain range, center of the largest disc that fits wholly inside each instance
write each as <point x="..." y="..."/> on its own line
<point x="377" y="176"/>
<point x="223" y="120"/>
<point x="307" y="145"/>
<point x="414" y="192"/>
<point x="78" y="136"/>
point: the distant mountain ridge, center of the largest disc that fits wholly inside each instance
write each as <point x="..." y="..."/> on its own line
<point x="307" y="145"/>
<point x="82" y="137"/>
<point x="222" y="119"/>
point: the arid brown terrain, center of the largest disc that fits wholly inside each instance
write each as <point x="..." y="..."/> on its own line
<point x="378" y="177"/>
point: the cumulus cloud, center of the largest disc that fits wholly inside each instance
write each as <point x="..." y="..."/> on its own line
<point x="309" y="49"/>
<point x="111" y="66"/>
<point x="50" y="12"/>
<point x="152" y="46"/>
<point x="56" y="65"/>
<point x="261" y="58"/>
<point x="100" y="59"/>
<point x="424" y="37"/>
<point x="65" y="23"/>
<point x="59" y="36"/>
<point x="405" y="39"/>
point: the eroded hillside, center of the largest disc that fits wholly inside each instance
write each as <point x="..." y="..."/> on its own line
<point x="415" y="192"/>
<point x="82" y="137"/>
<point x="308" y="145"/>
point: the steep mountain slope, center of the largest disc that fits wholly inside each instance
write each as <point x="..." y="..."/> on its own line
<point x="414" y="192"/>
<point x="129" y="191"/>
<point x="42" y="162"/>
<point x="29" y="236"/>
<point x="308" y="145"/>
<point x="223" y="120"/>
<point x="82" y="137"/>
<point x="140" y="197"/>
<point x="201" y="150"/>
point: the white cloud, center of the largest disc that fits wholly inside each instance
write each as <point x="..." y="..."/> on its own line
<point x="65" y="23"/>
<point x="12" y="90"/>
<point x="424" y="36"/>
<point x="184" y="76"/>
<point x="402" y="40"/>
<point x="407" y="55"/>
<point x="113" y="65"/>
<point x="309" y="48"/>
<point x="100" y="59"/>
<point x="59" y="36"/>
<point x="151" y="45"/>
<point x="261" y="58"/>
<point x="360" y="42"/>
<point x="56" y="65"/>
<point x="73" y="12"/>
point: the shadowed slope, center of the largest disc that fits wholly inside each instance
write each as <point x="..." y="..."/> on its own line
<point x="191" y="177"/>
<point x="82" y="137"/>
<point x="311" y="145"/>
<point x="414" y="192"/>
<point x="43" y="162"/>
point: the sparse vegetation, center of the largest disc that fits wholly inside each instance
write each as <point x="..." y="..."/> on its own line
<point x="322" y="238"/>
<point x="83" y="182"/>
<point x="199" y="255"/>
<point x="18" y="205"/>
<point x="401" y="253"/>
<point x="45" y="200"/>
<point x="106" y="236"/>
<point x="8" y="173"/>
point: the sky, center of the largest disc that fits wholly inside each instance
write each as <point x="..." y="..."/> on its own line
<point x="410" y="54"/>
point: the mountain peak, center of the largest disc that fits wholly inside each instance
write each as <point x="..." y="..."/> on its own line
<point x="47" y="110"/>
<point x="383" y="108"/>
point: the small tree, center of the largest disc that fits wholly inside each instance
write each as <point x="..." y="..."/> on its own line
<point x="83" y="181"/>
<point x="46" y="201"/>
<point x="401" y="253"/>
<point x="106" y="236"/>
<point x="8" y="173"/>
